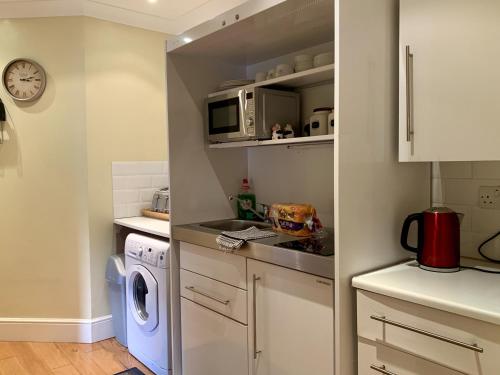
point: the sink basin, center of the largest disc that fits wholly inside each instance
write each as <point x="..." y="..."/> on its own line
<point x="235" y="225"/>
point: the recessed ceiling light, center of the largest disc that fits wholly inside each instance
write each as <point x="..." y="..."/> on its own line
<point x="187" y="40"/>
<point x="152" y="1"/>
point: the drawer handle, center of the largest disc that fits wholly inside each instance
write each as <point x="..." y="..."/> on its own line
<point x="194" y="290"/>
<point x="382" y="370"/>
<point x="473" y="347"/>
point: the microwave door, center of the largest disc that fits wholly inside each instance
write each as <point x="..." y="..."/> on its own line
<point x="225" y="119"/>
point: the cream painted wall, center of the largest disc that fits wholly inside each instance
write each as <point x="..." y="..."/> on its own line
<point x="126" y="120"/>
<point x="44" y="242"/>
<point x="105" y="101"/>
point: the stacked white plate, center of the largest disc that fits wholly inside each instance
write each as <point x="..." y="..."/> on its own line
<point x="231" y="84"/>
<point x="303" y="62"/>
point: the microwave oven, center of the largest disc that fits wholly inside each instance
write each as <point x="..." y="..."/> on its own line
<point x="250" y="113"/>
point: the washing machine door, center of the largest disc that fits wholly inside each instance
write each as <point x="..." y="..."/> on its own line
<point x="142" y="296"/>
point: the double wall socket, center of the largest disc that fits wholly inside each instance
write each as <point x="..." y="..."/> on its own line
<point x="489" y="197"/>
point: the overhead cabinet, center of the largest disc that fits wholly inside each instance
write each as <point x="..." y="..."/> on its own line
<point x="449" y="80"/>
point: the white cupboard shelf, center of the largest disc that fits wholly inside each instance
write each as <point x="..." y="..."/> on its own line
<point x="306" y="78"/>
<point x="315" y="139"/>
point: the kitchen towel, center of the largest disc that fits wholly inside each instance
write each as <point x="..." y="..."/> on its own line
<point x="231" y="241"/>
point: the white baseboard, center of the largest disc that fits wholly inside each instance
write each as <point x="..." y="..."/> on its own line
<point x="56" y="330"/>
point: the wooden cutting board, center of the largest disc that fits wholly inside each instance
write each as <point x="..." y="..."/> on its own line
<point x="155" y="215"/>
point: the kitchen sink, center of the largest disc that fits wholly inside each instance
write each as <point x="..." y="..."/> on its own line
<point x="235" y="225"/>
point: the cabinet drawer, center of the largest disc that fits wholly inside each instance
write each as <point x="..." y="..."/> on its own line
<point x="211" y="343"/>
<point x="228" y="268"/>
<point x="223" y="298"/>
<point x="429" y="333"/>
<point x="373" y="358"/>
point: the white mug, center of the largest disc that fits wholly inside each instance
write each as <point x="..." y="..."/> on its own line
<point x="283" y="70"/>
<point x="260" y="76"/>
<point x="270" y="74"/>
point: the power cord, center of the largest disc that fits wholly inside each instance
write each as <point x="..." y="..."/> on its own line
<point x="484" y="243"/>
<point x="479" y="269"/>
<point x="480" y="251"/>
<point x="3" y="117"/>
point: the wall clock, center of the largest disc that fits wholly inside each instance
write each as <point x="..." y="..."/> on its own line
<point x="24" y="79"/>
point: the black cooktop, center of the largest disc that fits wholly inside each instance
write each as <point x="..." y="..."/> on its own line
<point x="320" y="245"/>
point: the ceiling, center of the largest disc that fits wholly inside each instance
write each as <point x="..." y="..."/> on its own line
<point x="168" y="16"/>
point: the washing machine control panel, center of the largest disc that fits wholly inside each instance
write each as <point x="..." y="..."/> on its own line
<point x="163" y="259"/>
<point x="147" y="250"/>
<point x="135" y="252"/>
<point x="150" y="256"/>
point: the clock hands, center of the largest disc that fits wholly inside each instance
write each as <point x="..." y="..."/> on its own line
<point x="28" y="79"/>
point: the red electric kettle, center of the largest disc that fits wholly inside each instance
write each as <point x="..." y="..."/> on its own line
<point x="438" y="247"/>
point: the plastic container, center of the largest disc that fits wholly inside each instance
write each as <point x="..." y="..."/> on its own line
<point x="331" y="123"/>
<point x="115" y="276"/>
<point x="246" y="200"/>
<point x="319" y="121"/>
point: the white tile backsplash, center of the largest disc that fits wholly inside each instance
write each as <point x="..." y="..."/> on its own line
<point x="456" y="170"/>
<point x="134" y="184"/>
<point x="486" y="169"/>
<point x="456" y="185"/>
<point x="459" y="191"/>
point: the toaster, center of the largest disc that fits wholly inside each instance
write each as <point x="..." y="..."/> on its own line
<point x="161" y="201"/>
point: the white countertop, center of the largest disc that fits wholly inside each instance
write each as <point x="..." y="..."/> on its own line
<point x="145" y="224"/>
<point x="467" y="292"/>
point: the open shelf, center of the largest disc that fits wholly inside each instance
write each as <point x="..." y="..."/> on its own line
<point x="295" y="80"/>
<point x="315" y="139"/>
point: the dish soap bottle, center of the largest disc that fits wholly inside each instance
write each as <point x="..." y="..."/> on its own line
<point x="246" y="200"/>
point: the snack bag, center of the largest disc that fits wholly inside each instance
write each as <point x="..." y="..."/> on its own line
<point x="294" y="219"/>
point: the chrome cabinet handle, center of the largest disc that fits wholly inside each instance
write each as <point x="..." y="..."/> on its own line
<point x="383" y="319"/>
<point x="254" y="300"/>
<point x="194" y="290"/>
<point x="409" y="94"/>
<point x="242" y="96"/>
<point x="382" y="370"/>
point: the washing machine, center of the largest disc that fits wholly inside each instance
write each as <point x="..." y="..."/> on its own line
<point x="148" y="301"/>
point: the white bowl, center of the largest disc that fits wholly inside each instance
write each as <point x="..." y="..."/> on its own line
<point x="303" y="66"/>
<point x="323" y="59"/>
<point x="302" y="58"/>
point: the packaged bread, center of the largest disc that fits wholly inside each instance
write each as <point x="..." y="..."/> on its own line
<point x="294" y="219"/>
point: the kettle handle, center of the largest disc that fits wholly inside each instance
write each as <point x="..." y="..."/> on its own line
<point x="406" y="228"/>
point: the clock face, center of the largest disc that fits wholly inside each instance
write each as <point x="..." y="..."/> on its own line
<point x="24" y="79"/>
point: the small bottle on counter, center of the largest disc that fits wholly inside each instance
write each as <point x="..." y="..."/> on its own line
<point x="246" y="200"/>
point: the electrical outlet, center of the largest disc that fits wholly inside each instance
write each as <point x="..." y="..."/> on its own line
<point x="489" y="197"/>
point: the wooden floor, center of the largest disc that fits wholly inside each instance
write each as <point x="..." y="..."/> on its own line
<point x="36" y="358"/>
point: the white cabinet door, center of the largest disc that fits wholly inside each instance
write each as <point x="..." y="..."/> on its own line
<point x="290" y="315"/>
<point x="211" y="343"/>
<point x="453" y="90"/>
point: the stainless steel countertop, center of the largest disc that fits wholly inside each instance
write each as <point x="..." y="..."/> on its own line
<point x="263" y="250"/>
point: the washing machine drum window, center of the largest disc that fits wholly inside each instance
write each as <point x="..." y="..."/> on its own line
<point x="142" y="295"/>
<point x="140" y="292"/>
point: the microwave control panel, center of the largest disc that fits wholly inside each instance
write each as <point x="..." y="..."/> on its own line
<point x="250" y="114"/>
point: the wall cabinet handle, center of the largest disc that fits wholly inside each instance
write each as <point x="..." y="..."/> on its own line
<point x="382" y="370"/>
<point x="472" y="347"/>
<point x="254" y="310"/>
<point x="409" y="94"/>
<point x="194" y="290"/>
